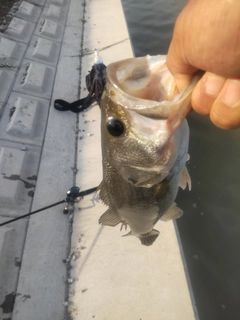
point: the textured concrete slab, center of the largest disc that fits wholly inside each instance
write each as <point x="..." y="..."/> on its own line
<point x="18" y="174"/>
<point x="24" y="119"/>
<point x="11" y="163"/>
<point x="74" y="10"/>
<point x="6" y="81"/>
<point x="1" y="109"/>
<point x="19" y="30"/>
<point x="43" y="50"/>
<point x="11" y="246"/>
<point x="55" y="12"/>
<point x="43" y="274"/>
<point x="28" y="12"/>
<point x="35" y="79"/>
<point x="58" y="2"/>
<point x="39" y="3"/>
<point x="11" y="53"/>
<point x="50" y="30"/>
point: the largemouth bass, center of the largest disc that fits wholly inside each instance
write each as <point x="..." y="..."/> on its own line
<point x="144" y="145"/>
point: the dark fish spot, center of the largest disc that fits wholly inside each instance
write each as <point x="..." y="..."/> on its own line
<point x="31" y="193"/>
<point x="34" y="178"/>
<point x="7" y="305"/>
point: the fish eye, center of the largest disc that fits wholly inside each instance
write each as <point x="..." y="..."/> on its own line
<point x="115" y="127"/>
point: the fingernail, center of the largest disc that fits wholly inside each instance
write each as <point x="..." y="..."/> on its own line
<point x="213" y="84"/>
<point x="232" y="93"/>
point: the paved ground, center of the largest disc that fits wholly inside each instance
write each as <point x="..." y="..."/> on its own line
<point x="52" y="267"/>
<point x="35" y="69"/>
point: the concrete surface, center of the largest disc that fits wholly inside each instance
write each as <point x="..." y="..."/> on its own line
<point x="59" y="269"/>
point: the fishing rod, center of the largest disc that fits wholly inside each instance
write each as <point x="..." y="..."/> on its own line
<point x="72" y="195"/>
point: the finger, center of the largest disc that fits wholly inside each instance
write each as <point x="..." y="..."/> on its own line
<point x="206" y="91"/>
<point x="179" y="68"/>
<point x="225" y="112"/>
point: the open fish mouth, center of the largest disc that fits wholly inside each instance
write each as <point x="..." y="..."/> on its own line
<point x="144" y="177"/>
<point x="145" y="85"/>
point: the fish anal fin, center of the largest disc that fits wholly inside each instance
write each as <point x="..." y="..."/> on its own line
<point x="109" y="218"/>
<point x="103" y="193"/>
<point x="173" y="213"/>
<point x="185" y="179"/>
<point x="148" y="238"/>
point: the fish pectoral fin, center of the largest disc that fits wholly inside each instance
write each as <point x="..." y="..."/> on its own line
<point x="148" y="238"/>
<point x="185" y="179"/>
<point x="173" y="213"/>
<point x="103" y="194"/>
<point x="110" y="218"/>
<point x="124" y="224"/>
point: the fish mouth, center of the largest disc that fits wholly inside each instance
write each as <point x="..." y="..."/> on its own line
<point x="145" y="177"/>
<point x="145" y="85"/>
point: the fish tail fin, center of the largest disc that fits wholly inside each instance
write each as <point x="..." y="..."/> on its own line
<point x="147" y="239"/>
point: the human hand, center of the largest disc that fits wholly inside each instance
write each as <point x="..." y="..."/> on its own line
<point x="207" y="37"/>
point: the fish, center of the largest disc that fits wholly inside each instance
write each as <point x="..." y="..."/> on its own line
<point x="144" y="139"/>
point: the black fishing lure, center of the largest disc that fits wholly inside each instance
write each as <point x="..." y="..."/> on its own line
<point x="95" y="83"/>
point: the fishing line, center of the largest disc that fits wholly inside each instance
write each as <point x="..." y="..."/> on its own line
<point x="72" y="195"/>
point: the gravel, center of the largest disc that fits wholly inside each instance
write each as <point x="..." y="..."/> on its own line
<point x="7" y="11"/>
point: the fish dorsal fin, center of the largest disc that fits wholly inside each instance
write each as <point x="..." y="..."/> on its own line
<point x="173" y="213"/>
<point x="185" y="179"/>
<point x="110" y="218"/>
<point x="148" y="238"/>
<point x="103" y="194"/>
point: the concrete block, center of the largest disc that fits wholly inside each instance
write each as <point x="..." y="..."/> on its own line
<point x="35" y="79"/>
<point x="76" y="9"/>
<point x="43" y="50"/>
<point x="39" y="3"/>
<point x="6" y="80"/>
<point x="12" y="238"/>
<point x="58" y="2"/>
<point x="24" y="119"/>
<point x="1" y="109"/>
<point x="11" y="53"/>
<point x="18" y="174"/>
<point x="19" y="30"/>
<point x="11" y="163"/>
<point x="55" y="13"/>
<point x="28" y="11"/>
<point x="50" y="30"/>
